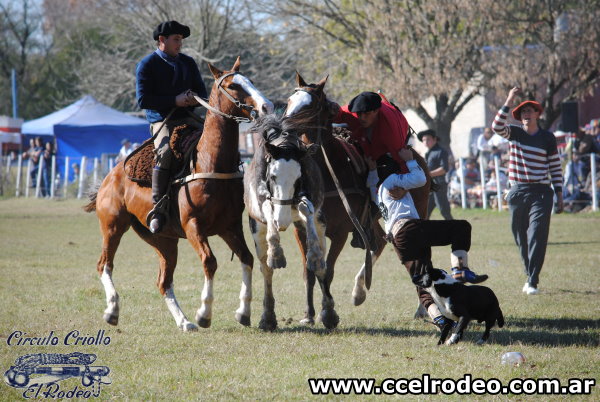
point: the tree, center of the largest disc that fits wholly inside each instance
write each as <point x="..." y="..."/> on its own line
<point x="411" y="49"/>
<point x="550" y="48"/>
<point x="112" y="37"/>
<point x="26" y="48"/>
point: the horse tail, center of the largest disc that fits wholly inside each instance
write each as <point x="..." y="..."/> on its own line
<point x="92" y="205"/>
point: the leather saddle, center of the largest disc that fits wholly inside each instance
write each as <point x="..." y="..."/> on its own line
<point x="138" y="166"/>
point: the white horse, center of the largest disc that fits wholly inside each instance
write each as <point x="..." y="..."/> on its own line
<point x="283" y="185"/>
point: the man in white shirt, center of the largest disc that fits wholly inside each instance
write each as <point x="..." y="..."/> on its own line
<point x="413" y="237"/>
<point x="125" y="150"/>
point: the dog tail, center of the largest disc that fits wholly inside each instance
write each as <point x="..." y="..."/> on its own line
<point x="500" y="318"/>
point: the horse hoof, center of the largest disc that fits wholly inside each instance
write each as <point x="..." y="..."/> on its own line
<point x="242" y="319"/>
<point x="307" y="321"/>
<point x="358" y="296"/>
<point x="189" y="327"/>
<point x="268" y="323"/>
<point x="330" y="319"/>
<point x="203" y="322"/>
<point x="278" y="261"/>
<point x="111" y="319"/>
<point x="480" y="342"/>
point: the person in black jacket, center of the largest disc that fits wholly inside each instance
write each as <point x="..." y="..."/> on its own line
<point x="165" y="80"/>
<point x="437" y="162"/>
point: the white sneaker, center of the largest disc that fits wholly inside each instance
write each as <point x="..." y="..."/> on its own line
<point x="525" y="287"/>
<point x="532" y="291"/>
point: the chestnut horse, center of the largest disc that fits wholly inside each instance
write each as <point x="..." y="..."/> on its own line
<point x="310" y="107"/>
<point x="209" y="204"/>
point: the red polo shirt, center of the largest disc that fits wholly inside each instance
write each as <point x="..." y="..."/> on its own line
<point x="388" y="134"/>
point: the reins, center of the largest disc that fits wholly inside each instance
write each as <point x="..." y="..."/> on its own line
<point x="351" y="215"/>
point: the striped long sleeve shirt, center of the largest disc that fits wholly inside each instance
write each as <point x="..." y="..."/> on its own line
<point x="533" y="158"/>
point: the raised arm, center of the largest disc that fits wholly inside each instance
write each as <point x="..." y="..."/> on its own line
<point x="499" y="125"/>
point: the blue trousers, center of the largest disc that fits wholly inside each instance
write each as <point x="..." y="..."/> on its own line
<point x="531" y="208"/>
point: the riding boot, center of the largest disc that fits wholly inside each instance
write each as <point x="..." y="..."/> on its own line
<point x="160" y="184"/>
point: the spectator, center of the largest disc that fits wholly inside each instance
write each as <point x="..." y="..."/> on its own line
<point x="47" y="169"/>
<point x="437" y="162"/>
<point x="76" y="171"/>
<point x="126" y="149"/>
<point x="533" y="156"/>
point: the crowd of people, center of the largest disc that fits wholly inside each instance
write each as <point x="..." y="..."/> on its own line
<point x="575" y="151"/>
<point x="39" y="150"/>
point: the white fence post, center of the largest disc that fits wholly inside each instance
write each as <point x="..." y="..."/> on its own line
<point x="38" y="185"/>
<point x="111" y="164"/>
<point x="482" y="174"/>
<point x="463" y="188"/>
<point x="66" y="183"/>
<point x="96" y="166"/>
<point x="498" y="189"/>
<point x="594" y="189"/>
<point x="28" y="178"/>
<point x="81" y="176"/>
<point x="52" y="176"/>
<point x="18" y="181"/>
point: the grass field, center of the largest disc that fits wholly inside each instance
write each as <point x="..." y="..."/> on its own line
<point x="48" y="253"/>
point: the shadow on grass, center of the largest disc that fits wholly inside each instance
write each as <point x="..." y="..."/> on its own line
<point x="543" y="331"/>
<point x="526" y="331"/>
<point x="392" y="332"/>
<point x="565" y="243"/>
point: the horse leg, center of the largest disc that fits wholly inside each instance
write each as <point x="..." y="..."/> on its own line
<point x="359" y="293"/>
<point x="309" y="276"/>
<point x="329" y="317"/>
<point x="166" y="249"/>
<point x="112" y="227"/>
<point x="315" y="244"/>
<point x="200" y="243"/>
<point x="268" y="321"/>
<point x="275" y="256"/>
<point x="237" y="244"/>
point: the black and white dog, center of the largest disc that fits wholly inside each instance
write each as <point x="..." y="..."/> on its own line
<point x="460" y="303"/>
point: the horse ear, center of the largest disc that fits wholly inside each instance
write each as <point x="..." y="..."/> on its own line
<point x="321" y="84"/>
<point x="300" y="81"/>
<point x="236" y="65"/>
<point x="215" y="71"/>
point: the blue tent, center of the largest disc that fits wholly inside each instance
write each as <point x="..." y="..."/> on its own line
<point x="88" y="128"/>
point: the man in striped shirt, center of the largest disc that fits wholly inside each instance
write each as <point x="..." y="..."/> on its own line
<point x="533" y="166"/>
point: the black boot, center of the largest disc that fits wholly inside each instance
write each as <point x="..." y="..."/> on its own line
<point x="160" y="184"/>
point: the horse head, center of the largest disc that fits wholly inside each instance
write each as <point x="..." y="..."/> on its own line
<point x="242" y="101"/>
<point x="284" y="154"/>
<point x="309" y="107"/>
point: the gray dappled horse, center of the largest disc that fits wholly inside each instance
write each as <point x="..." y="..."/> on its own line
<point x="283" y="185"/>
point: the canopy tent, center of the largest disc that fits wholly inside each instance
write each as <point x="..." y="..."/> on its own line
<point x="87" y="127"/>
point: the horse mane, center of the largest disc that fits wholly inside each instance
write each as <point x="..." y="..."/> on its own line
<point x="307" y="121"/>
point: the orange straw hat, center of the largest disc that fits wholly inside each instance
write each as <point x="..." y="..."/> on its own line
<point x="517" y="111"/>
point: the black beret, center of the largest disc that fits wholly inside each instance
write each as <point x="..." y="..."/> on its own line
<point x="171" y="28"/>
<point x="365" y="102"/>
<point x="426" y="132"/>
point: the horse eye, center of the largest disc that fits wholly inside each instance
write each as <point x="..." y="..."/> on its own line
<point x="235" y="86"/>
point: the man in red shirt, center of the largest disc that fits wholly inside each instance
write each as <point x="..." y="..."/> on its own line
<point x="377" y="125"/>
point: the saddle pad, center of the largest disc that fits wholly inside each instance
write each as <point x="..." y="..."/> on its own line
<point x="139" y="166"/>
<point x="342" y="135"/>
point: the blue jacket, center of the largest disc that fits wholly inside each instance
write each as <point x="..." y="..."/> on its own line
<point x="157" y="87"/>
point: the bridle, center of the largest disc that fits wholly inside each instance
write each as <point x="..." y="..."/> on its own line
<point x="298" y="186"/>
<point x="237" y="103"/>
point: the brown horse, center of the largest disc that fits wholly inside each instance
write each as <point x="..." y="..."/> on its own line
<point x="310" y="107"/>
<point x="206" y="206"/>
